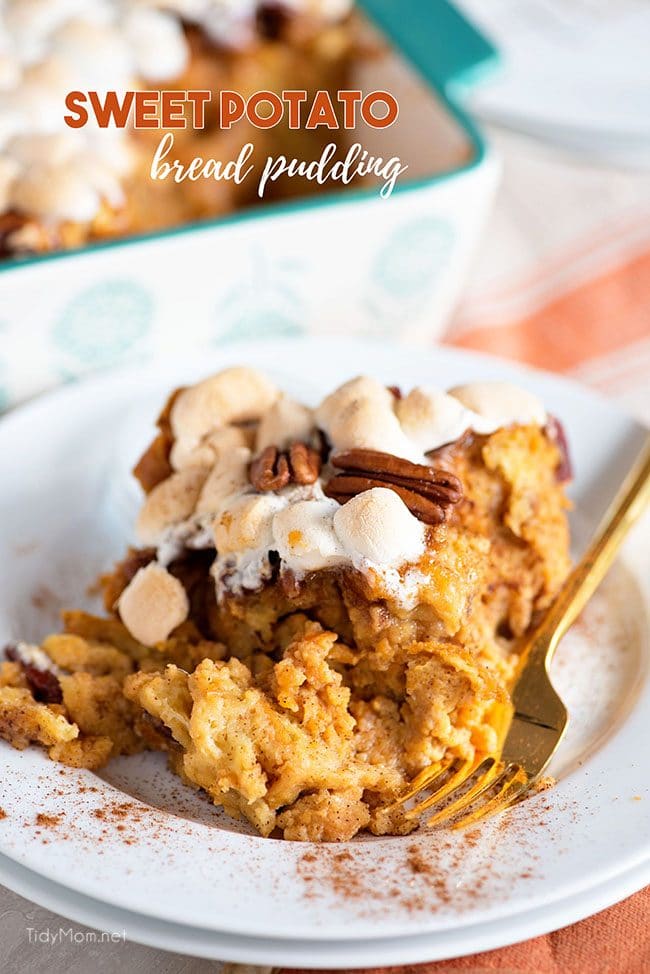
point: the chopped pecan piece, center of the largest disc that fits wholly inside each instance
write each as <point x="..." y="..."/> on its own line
<point x="427" y="492"/>
<point x="274" y="469"/>
<point x="9" y="223"/>
<point x="154" y="466"/>
<point x="556" y="432"/>
<point x="44" y="684"/>
<point x="271" y="19"/>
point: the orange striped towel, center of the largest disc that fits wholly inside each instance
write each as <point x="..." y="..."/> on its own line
<point x="616" y="941"/>
<point x="564" y="284"/>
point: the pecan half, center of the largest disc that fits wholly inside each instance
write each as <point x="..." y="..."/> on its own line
<point x="270" y="470"/>
<point x="304" y="463"/>
<point x="427" y="492"/>
<point x="273" y="469"/>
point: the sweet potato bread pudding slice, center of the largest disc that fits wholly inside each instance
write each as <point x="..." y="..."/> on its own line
<point x="323" y="601"/>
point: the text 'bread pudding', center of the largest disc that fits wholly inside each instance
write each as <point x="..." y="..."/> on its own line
<point x="323" y="601"/>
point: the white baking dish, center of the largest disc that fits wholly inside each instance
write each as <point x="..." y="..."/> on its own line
<point x="346" y="262"/>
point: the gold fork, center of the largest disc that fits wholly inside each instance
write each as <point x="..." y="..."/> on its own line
<point x="531" y="727"/>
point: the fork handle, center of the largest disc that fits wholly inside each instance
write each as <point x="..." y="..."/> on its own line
<point x="625" y="509"/>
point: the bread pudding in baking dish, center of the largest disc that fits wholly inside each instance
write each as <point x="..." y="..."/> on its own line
<point x="322" y="601"/>
<point x="63" y="187"/>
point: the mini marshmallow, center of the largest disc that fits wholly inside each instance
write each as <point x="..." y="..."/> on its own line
<point x="153" y="604"/>
<point x="247" y="522"/>
<point x="212" y="447"/>
<point x="9" y="71"/>
<point x="229" y="475"/>
<point x="305" y="538"/>
<point x="8" y="172"/>
<point x="500" y="404"/>
<point x="232" y="22"/>
<point x="159" y="45"/>
<point x="100" y="53"/>
<point x="287" y="421"/>
<point x="50" y="47"/>
<point x="374" y="532"/>
<point x="360" y="415"/>
<point x="432" y="418"/>
<point x="170" y="502"/>
<point x="377" y="526"/>
<point x="236" y="395"/>
<point x="346" y="396"/>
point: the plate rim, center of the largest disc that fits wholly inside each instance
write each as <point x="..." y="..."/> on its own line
<point x="414" y="948"/>
<point x="97" y="380"/>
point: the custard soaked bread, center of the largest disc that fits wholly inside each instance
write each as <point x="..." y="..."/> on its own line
<point x="324" y="601"/>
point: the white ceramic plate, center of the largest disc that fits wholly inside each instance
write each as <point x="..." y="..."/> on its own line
<point x="136" y="840"/>
<point x="342" y="954"/>
<point x="594" y="99"/>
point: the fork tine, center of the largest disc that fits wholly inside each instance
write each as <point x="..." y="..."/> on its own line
<point x="488" y="770"/>
<point x="424" y="779"/>
<point x="465" y="771"/>
<point x="512" y="783"/>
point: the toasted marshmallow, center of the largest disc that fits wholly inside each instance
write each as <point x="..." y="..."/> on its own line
<point x="8" y="172"/>
<point x="229" y="475"/>
<point x="500" y="404"/>
<point x="378" y="527"/>
<point x="432" y="418"/>
<point x="373" y="533"/>
<point x="287" y="421"/>
<point x="236" y="395"/>
<point x="231" y="23"/>
<point x="170" y="502"/>
<point x="360" y="415"/>
<point x="153" y="604"/>
<point x="247" y="523"/>
<point x="305" y="538"/>
<point x="158" y="43"/>
<point x="211" y="449"/>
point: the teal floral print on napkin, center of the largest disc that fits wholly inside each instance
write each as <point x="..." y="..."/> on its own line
<point x="103" y="324"/>
<point x="404" y="273"/>
<point x="410" y="260"/>
<point x="265" y="302"/>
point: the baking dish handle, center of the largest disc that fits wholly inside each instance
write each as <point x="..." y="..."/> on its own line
<point x="440" y="42"/>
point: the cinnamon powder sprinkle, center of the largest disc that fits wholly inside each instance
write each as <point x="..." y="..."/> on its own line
<point x="49" y="821"/>
<point x="426" y="874"/>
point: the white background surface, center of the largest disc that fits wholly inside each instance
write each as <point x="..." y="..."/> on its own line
<point x="20" y="956"/>
<point x="595" y="98"/>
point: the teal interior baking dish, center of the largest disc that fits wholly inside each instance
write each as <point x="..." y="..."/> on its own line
<point x="346" y="261"/>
